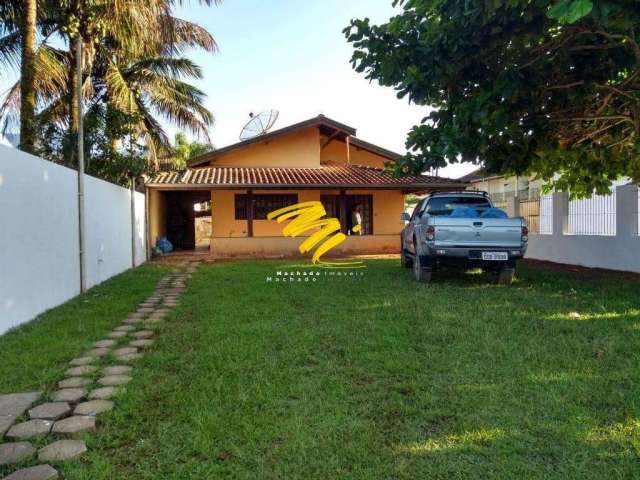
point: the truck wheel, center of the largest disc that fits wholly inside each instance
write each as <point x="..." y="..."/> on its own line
<point x="405" y="261"/>
<point x="421" y="274"/>
<point x="505" y="275"/>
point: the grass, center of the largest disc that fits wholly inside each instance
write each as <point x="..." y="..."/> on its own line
<point x="379" y="378"/>
<point x="35" y="356"/>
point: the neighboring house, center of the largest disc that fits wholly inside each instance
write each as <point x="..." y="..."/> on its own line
<point x="501" y="187"/>
<point x="318" y="159"/>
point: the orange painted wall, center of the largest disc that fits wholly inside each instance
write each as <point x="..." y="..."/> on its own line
<point x="387" y="207"/>
<point x="297" y="149"/>
<point x="336" y="152"/>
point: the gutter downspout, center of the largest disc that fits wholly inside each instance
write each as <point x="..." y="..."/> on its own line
<point x="80" y="141"/>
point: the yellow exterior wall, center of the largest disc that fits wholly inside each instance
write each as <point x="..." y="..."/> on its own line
<point x="387" y="207"/>
<point x="274" y="247"/>
<point x="157" y="216"/>
<point x="336" y="152"/>
<point x="297" y="149"/>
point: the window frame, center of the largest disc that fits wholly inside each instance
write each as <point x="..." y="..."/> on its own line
<point x="241" y="204"/>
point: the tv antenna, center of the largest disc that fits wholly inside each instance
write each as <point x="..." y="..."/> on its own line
<point x="259" y="124"/>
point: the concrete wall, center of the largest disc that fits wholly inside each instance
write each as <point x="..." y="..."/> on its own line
<point x="619" y="252"/>
<point x="39" y="254"/>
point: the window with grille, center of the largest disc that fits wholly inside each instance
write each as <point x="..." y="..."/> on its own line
<point x="262" y="205"/>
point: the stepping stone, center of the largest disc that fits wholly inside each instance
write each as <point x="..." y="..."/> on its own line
<point x="143" y="334"/>
<point x="62" y="450"/>
<point x="143" y="343"/>
<point x="71" y="395"/>
<point x="29" y="429"/>
<point x="129" y="357"/>
<point x="132" y="321"/>
<point x="117" y="370"/>
<point x="124" y="328"/>
<point x="74" y="425"/>
<point x="136" y="315"/>
<point x="41" y="472"/>
<point x="104" y="343"/>
<point x="104" y="393"/>
<point x="83" y="370"/>
<point x="93" y="408"/>
<point x="98" y="352"/>
<point x="113" y="380"/>
<point x="117" y="334"/>
<point x="50" y="411"/>
<point x="15" y="452"/>
<point x="125" y="351"/>
<point x="78" y="362"/>
<point x="145" y="310"/>
<point x="74" y="382"/>
<point x="13" y="406"/>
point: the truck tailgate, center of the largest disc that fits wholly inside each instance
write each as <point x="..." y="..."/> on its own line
<point x="477" y="232"/>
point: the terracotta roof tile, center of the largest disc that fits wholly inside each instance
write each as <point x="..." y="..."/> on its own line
<point x="327" y="176"/>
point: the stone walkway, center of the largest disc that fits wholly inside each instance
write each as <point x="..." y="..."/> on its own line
<point x="90" y="383"/>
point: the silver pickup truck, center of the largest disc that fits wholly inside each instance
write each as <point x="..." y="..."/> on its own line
<point x="434" y="237"/>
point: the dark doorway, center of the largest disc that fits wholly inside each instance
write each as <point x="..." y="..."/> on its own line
<point x="181" y="217"/>
<point x="332" y="205"/>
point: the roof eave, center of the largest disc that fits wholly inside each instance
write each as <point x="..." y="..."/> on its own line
<point x="404" y="187"/>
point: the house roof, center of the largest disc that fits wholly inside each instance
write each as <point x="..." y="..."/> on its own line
<point x="478" y="175"/>
<point x="327" y="126"/>
<point x="328" y="176"/>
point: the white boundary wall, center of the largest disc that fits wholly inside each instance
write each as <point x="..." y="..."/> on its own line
<point x="616" y="252"/>
<point x="39" y="257"/>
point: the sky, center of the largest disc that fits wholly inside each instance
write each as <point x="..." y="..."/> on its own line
<point x="292" y="56"/>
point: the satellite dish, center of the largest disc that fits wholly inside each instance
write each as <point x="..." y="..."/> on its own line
<point x="259" y="124"/>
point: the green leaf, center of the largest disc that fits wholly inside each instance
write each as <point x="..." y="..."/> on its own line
<point x="570" y="11"/>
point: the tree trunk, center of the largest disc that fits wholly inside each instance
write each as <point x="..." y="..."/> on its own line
<point x="27" y="79"/>
<point x="72" y="105"/>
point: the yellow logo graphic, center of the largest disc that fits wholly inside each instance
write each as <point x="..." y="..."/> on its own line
<point x="308" y="216"/>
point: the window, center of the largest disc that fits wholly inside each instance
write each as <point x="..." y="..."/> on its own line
<point x="446" y="205"/>
<point x="262" y="205"/>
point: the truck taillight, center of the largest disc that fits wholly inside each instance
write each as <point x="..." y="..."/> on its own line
<point x="431" y="232"/>
<point x="525" y="234"/>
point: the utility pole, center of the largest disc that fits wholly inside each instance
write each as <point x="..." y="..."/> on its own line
<point x="80" y="145"/>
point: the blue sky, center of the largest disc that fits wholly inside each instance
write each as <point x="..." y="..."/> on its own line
<point x="291" y="55"/>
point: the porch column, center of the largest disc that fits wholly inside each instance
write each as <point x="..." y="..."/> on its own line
<point x="343" y="211"/>
<point x="249" y="213"/>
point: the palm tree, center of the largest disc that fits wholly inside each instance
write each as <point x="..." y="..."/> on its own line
<point x="27" y="78"/>
<point x="140" y="79"/>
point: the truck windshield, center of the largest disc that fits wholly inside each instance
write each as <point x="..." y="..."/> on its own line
<point x="446" y="205"/>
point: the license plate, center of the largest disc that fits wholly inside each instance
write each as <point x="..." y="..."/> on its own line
<point x="495" y="256"/>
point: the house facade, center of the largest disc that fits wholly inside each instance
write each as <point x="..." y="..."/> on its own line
<point x="319" y="159"/>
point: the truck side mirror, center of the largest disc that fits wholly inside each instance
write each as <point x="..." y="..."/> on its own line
<point x="405" y="216"/>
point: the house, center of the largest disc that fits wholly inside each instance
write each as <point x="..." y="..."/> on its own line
<point x="501" y="187"/>
<point x="317" y="159"/>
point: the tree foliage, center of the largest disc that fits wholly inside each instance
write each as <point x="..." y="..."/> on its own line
<point x="550" y="87"/>
<point x="135" y="74"/>
<point x="184" y="150"/>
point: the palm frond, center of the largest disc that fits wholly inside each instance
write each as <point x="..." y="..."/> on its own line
<point x="10" y="50"/>
<point x="181" y="34"/>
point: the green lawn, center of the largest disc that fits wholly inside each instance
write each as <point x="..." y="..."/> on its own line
<point x="376" y="378"/>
